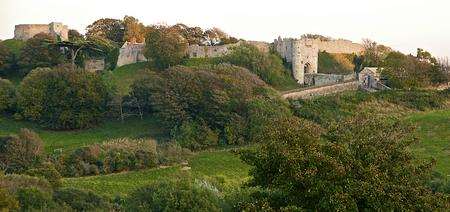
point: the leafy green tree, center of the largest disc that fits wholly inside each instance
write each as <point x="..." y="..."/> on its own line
<point x="108" y="28"/>
<point x="134" y="30"/>
<point x="6" y="59"/>
<point x="193" y="35"/>
<point x="7" y="96"/>
<point x="74" y="35"/>
<point x="61" y="98"/>
<point x="37" y="53"/>
<point x="76" y="47"/>
<point x="363" y="165"/>
<point x="165" y="47"/>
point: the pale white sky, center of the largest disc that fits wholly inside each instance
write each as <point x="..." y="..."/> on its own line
<point x="401" y="24"/>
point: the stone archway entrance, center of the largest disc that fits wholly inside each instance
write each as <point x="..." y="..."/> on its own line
<point x="307" y="68"/>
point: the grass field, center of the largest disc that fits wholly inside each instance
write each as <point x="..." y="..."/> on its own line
<point x="68" y="140"/>
<point x="124" y="76"/>
<point x="220" y="167"/>
<point x="434" y="132"/>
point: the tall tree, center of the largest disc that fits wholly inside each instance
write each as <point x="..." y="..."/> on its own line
<point x="37" y="52"/>
<point x="111" y="29"/>
<point x="6" y="59"/>
<point x="134" y="30"/>
<point x="165" y="47"/>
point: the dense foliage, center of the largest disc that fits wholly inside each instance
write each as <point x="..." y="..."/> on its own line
<point x="358" y="168"/>
<point x="107" y="28"/>
<point x="165" y="47"/>
<point x="407" y="72"/>
<point x="173" y="196"/>
<point x="61" y="98"/>
<point x="20" y="152"/>
<point x="6" y="59"/>
<point x="269" y="67"/>
<point x="7" y="96"/>
<point x="201" y="104"/>
<point x="37" y="53"/>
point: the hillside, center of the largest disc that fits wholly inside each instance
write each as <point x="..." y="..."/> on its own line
<point x="335" y="63"/>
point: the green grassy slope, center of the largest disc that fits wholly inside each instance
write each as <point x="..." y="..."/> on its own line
<point x="434" y="133"/>
<point x="220" y="167"/>
<point x="124" y="76"/>
<point x="68" y="140"/>
<point x="335" y="63"/>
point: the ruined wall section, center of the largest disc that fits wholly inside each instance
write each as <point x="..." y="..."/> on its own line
<point x="340" y="46"/>
<point x="196" y="51"/>
<point x="131" y="53"/>
<point x="27" y="31"/>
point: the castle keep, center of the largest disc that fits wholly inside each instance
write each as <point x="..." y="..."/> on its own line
<point x="27" y="31"/>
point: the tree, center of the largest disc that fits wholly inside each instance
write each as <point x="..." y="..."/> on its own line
<point x="374" y="53"/>
<point x="193" y="35"/>
<point x="76" y="46"/>
<point x="165" y="47"/>
<point x="60" y="98"/>
<point x="7" y="96"/>
<point x="134" y="30"/>
<point x="37" y="53"/>
<point x="111" y="29"/>
<point x="364" y="164"/>
<point x="6" y="59"/>
<point x="20" y="152"/>
<point x="74" y="35"/>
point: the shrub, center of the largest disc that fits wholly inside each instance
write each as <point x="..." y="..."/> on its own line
<point x="195" y="136"/>
<point x="7" y="201"/>
<point x="171" y="153"/>
<point x="269" y="67"/>
<point x="61" y="98"/>
<point x="172" y="196"/>
<point x="112" y="156"/>
<point x="7" y="96"/>
<point x="20" y="152"/>
<point x="14" y="182"/>
<point x="33" y="199"/>
<point x="81" y="200"/>
<point x="47" y="171"/>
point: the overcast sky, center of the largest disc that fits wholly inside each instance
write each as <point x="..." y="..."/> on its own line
<point x="402" y="24"/>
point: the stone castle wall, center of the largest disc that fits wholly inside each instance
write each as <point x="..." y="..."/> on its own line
<point x="27" y="31"/>
<point x="196" y="51"/>
<point x="339" y="46"/>
<point x="131" y="53"/>
<point x="321" y="91"/>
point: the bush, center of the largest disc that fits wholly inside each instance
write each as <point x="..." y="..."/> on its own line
<point x="172" y="196"/>
<point x="81" y="200"/>
<point x="269" y="67"/>
<point x="195" y="136"/>
<point x="61" y="98"/>
<point x="34" y="199"/>
<point x="172" y="153"/>
<point x="20" y="152"/>
<point x="48" y="172"/>
<point x="7" y="96"/>
<point x="7" y="201"/>
<point x="110" y="157"/>
<point x="13" y="183"/>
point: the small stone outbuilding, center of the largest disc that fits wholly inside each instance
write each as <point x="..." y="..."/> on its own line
<point x="369" y="77"/>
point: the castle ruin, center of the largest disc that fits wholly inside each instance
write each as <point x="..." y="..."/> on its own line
<point x="303" y="53"/>
<point x="131" y="52"/>
<point x="27" y="31"/>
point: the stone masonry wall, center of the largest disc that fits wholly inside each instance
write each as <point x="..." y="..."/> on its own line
<point x="131" y="53"/>
<point x="339" y="46"/>
<point x="27" y="31"/>
<point x="321" y="91"/>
